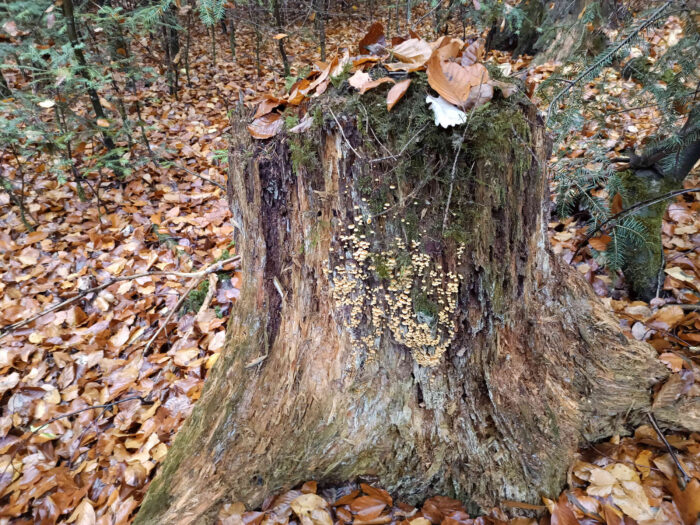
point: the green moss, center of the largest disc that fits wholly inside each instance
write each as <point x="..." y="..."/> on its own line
<point x="302" y="150"/>
<point x="195" y="298"/>
<point x="425" y="309"/>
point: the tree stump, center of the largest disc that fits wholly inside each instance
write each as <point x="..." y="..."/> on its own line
<point x="401" y="318"/>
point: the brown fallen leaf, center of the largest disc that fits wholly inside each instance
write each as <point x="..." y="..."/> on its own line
<point x="396" y="93"/>
<point x="375" y="35"/>
<point x="311" y="510"/>
<point x="367" y="507"/>
<point x="266" y="126"/>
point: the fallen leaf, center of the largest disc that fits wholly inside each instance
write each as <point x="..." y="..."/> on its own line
<point x="375" y="35"/>
<point x="396" y="93"/>
<point x="266" y="126"/>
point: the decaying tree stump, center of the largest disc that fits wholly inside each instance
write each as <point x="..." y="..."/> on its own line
<point x="401" y="318"/>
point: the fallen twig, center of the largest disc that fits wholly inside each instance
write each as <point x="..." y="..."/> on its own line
<point x="672" y="453"/>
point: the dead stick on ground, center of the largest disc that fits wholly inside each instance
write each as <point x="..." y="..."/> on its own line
<point x="672" y="453"/>
<point x="202" y="273"/>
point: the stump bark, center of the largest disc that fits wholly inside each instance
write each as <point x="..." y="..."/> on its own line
<point x="402" y="319"/>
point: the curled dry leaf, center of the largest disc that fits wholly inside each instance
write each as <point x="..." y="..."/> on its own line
<point x="267" y="105"/>
<point x="454" y="82"/>
<point x="447" y="47"/>
<point x="367" y="507"/>
<point x="479" y="95"/>
<point x="396" y="93"/>
<point x="303" y="125"/>
<point x="311" y="510"/>
<point x="414" y="51"/>
<point x="266" y="126"/>
<point x="375" y="35"/>
<point x="474" y="52"/>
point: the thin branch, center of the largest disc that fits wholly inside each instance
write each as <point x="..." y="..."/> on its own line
<point x="343" y="134"/>
<point x="672" y="453"/>
<point x="195" y="282"/>
<point x="212" y="268"/>
<point x="590" y="69"/>
<point x="625" y="212"/>
<point x="91" y="407"/>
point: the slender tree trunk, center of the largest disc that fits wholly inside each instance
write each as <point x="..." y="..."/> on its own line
<point x="654" y="174"/>
<point x="84" y="71"/>
<point x="5" y="90"/>
<point x="320" y="20"/>
<point x="280" y="42"/>
<point x="372" y="339"/>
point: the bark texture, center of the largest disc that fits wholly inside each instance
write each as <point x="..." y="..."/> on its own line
<point x="401" y="320"/>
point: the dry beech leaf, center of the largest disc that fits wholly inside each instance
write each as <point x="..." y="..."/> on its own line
<point x="267" y="105"/>
<point x="396" y="93"/>
<point x="479" y="95"/>
<point x="103" y="122"/>
<point x="375" y="35"/>
<point x="450" y="80"/>
<point x="666" y="318"/>
<point x="367" y="507"/>
<point x="414" y="51"/>
<point x="359" y="79"/>
<point x="447" y="47"/>
<point x="374" y="83"/>
<point x="266" y="126"/>
<point x="561" y="513"/>
<point x="363" y="82"/>
<point x="600" y="243"/>
<point x="311" y="510"/>
<point x="474" y="52"/>
<point x="687" y="501"/>
<point x="377" y="493"/>
<point x="279" y="36"/>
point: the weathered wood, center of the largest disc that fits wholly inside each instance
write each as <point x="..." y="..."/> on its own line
<point x="479" y="382"/>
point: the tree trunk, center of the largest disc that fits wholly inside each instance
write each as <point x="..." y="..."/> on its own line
<point x="375" y="338"/>
<point x="656" y="173"/>
<point x="555" y="31"/>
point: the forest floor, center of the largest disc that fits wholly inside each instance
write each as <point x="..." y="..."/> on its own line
<point x="94" y="466"/>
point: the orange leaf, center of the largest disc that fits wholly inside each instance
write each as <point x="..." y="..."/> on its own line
<point x="450" y="80"/>
<point x="367" y="507"/>
<point x="279" y="36"/>
<point x="103" y="122"/>
<point x="396" y="93"/>
<point x="616" y="206"/>
<point x="374" y="83"/>
<point x="687" y="501"/>
<point x="600" y="243"/>
<point x="267" y="105"/>
<point x="266" y="126"/>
